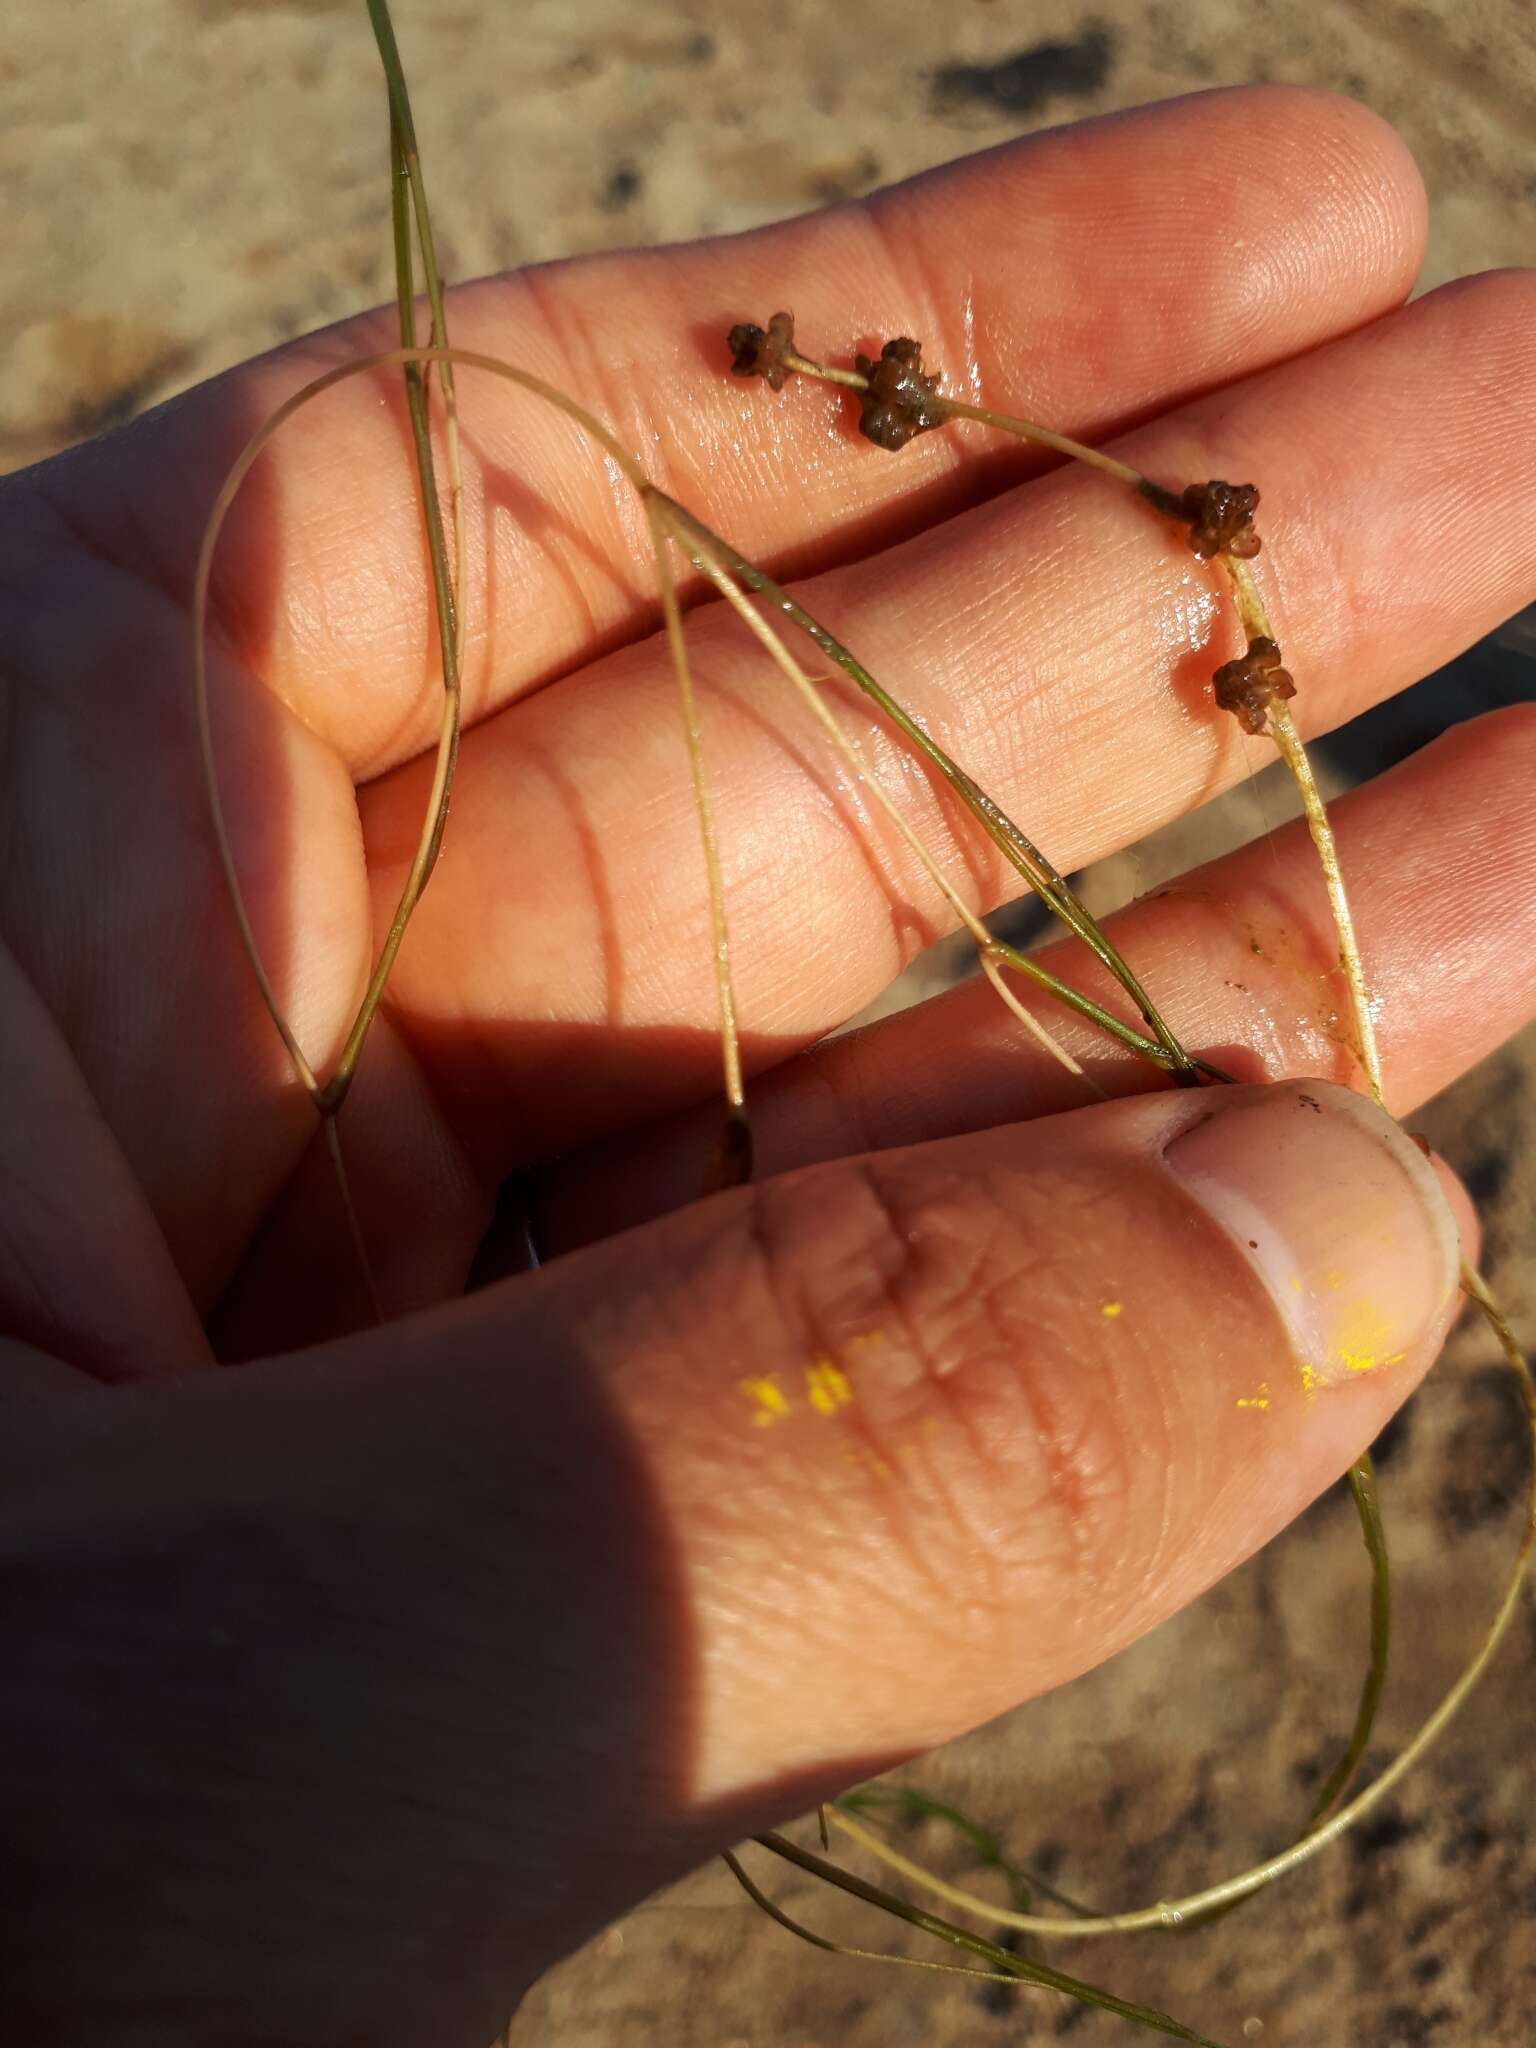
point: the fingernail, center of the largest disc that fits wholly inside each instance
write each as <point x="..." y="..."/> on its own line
<point x="1338" y="1213"/>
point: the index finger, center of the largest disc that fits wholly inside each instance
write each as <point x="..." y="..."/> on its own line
<point x="1092" y="274"/>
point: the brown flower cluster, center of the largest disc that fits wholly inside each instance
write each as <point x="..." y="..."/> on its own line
<point x="901" y="401"/>
<point x="1221" y="519"/>
<point x="1248" y="686"/>
<point x="760" y="352"/>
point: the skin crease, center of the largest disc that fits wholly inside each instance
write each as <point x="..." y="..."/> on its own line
<point x="420" y="1653"/>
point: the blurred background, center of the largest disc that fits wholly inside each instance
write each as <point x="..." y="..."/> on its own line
<point x="189" y="181"/>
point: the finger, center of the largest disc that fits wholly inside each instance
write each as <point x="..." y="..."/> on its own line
<point x="1440" y="859"/>
<point x="85" y="1275"/>
<point x="1059" y="641"/>
<point x="112" y="901"/>
<point x="1144" y="257"/>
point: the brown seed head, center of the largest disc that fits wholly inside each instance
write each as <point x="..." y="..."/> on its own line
<point x="759" y="352"/>
<point x="1248" y="686"/>
<point x="901" y="401"/>
<point x="1221" y="519"/>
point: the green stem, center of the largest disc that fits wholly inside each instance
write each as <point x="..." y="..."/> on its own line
<point x="1026" y="1968"/>
<point x="1362" y="1487"/>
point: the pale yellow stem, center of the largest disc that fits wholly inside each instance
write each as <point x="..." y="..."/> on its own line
<point x="725" y="993"/>
<point x="992" y="968"/>
<point x="1031" y="430"/>
<point x="1282" y="730"/>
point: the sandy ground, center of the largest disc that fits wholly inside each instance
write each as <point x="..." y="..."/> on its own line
<point x="188" y="181"/>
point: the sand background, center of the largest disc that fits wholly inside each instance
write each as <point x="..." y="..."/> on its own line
<point x="189" y="181"/>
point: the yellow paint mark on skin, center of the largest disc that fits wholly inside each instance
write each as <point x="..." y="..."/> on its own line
<point x="1111" y="1309"/>
<point x="768" y="1403"/>
<point x="1358" y="1343"/>
<point x="826" y="1386"/>
<point x="1361" y="1337"/>
<point x="1258" y="1400"/>
<point x="1370" y="1361"/>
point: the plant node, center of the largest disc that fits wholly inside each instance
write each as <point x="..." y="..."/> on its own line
<point x="1248" y="686"/>
<point x="1221" y="519"/>
<point x="900" y="400"/>
<point x="760" y="352"/>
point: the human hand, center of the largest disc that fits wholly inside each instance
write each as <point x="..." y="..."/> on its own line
<point x="455" y="1637"/>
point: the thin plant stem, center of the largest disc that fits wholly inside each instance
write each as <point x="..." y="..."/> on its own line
<point x="406" y="162"/>
<point x="907" y="1799"/>
<point x="992" y="963"/>
<point x="1282" y="730"/>
<point x="328" y="1096"/>
<point x="1114" y="1027"/>
<point x="1026" y="1968"/>
<point x="354" y="1221"/>
<point x="408" y="203"/>
<point x="776" y="1912"/>
<point x="225" y="851"/>
<point x="1362" y="1487"/>
<point x="448" y="585"/>
<point x="807" y="366"/>
<point x="1063" y="444"/>
<point x="962" y="409"/>
<point x="725" y="992"/>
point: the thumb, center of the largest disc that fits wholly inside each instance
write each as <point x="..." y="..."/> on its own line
<point x="936" y="1430"/>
